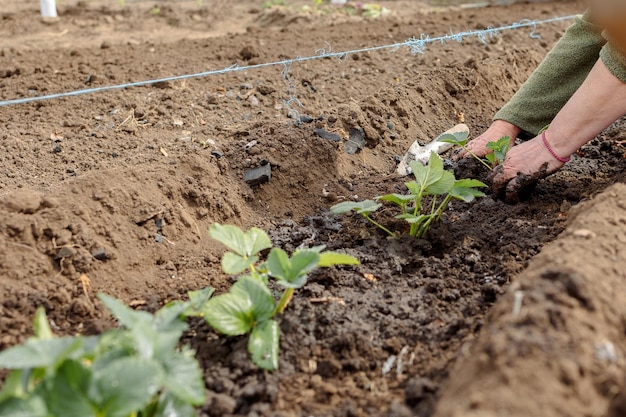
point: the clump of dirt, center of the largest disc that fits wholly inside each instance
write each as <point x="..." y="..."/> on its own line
<point x="558" y="335"/>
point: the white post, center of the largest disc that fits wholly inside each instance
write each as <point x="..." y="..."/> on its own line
<point x="48" y="8"/>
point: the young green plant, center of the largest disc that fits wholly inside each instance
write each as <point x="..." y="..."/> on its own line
<point x="250" y="307"/>
<point x="432" y="182"/>
<point x="438" y="184"/>
<point x="134" y="371"/>
<point x="499" y="150"/>
<point x="492" y="159"/>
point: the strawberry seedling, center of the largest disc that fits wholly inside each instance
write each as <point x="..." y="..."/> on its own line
<point x="134" y="371"/>
<point x="429" y="196"/>
<point x="500" y="149"/>
<point x="249" y="307"/>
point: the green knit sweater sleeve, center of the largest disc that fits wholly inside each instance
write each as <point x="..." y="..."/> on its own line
<point x="614" y="60"/>
<point x="557" y="78"/>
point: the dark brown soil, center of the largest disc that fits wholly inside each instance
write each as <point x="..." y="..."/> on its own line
<point x="113" y="192"/>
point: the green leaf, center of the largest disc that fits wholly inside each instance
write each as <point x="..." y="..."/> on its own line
<point x="234" y="264"/>
<point x="458" y="138"/>
<point x="412" y="219"/>
<point x="499" y="148"/>
<point x="291" y="273"/>
<point x="197" y="301"/>
<point x="153" y="336"/>
<point x="24" y="407"/>
<point x="362" y="207"/>
<point x="183" y="377"/>
<point x="128" y="317"/>
<point x="229" y="314"/>
<point x="333" y="258"/>
<point x="264" y="344"/>
<point x="469" y="183"/>
<point x="170" y="318"/>
<point x="427" y="175"/>
<point x="414" y="189"/>
<point x="237" y="312"/>
<point x="261" y="300"/>
<point x="441" y="186"/>
<point x="466" y="194"/>
<point x="36" y="353"/>
<point x="171" y="406"/>
<point x="256" y="241"/>
<point x="243" y="244"/>
<point x="41" y="325"/>
<point x="491" y="158"/>
<point x="229" y="236"/>
<point x="467" y="190"/>
<point x="397" y="199"/>
<point x="66" y="393"/>
<point x="13" y="386"/>
<point x="126" y="386"/>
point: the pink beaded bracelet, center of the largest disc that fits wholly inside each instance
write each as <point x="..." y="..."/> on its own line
<point x="549" y="148"/>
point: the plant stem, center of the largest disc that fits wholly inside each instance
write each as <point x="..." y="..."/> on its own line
<point x="418" y="210"/>
<point x="479" y="159"/>
<point x="443" y="206"/>
<point x="284" y="301"/>
<point x="380" y="226"/>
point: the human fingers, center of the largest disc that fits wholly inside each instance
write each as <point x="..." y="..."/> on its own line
<point x="500" y="178"/>
<point x="520" y="187"/>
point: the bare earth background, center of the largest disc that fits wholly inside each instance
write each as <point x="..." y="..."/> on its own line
<point x="113" y="192"/>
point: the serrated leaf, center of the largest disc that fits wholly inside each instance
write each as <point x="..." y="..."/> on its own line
<point x="467" y="190"/>
<point x="264" y="344"/>
<point x="397" y="199"/>
<point x="442" y="186"/>
<point x="13" y="386"/>
<point x="499" y="148"/>
<point x="234" y="264"/>
<point x="235" y="313"/>
<point x="29" y="407"/>
<point x="243" y="244"/>
<point x="230" y="236"/>
<point x="328" y="259"/>
<point x="229" y="314"/>
<point x="126" y="386"/>
<point x="41" y="325"/>
<point x="36" y="353"/>
<point x="256" y="241"/>
<point x="414" y="188"/>
<point x="362" y="207"/>
<point x="291" y="272"/>
<point x="413" y="219"/>
<point x="171" y="406"/>
<point x="66" y="393"/>
<point x="469" y="183"/>
<point x="183" y="377"/>
<point x="197" y="301"/>
<point x="261" y="299"/>
<point x="428" y="175"/>
<point x="458" y="138"/>
<point x="128" y="317"/>
<point x="466" y="194"/>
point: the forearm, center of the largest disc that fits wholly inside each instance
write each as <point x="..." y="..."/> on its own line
<point x="600" y="101"/>
<point x="557" y="78"/>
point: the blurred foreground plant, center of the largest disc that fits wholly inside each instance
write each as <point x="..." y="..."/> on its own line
<point x="134" y="371"/>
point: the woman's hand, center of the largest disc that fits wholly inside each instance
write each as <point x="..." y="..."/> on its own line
<point x="523" y="166"/>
